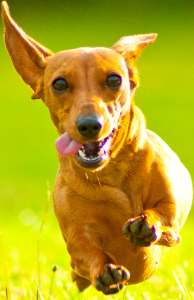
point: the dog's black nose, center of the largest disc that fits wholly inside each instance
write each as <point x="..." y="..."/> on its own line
<point x="89" y="125"/>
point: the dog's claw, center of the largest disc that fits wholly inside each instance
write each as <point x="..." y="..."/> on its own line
<point x="140" y="232"/>
<point x="112" y="280"/>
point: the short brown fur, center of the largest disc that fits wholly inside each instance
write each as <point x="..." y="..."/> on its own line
<point x="142" y="182"/>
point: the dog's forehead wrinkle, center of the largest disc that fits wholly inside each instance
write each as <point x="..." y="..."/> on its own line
<point x="92" y="56"/>
<point x="104" y="59"/>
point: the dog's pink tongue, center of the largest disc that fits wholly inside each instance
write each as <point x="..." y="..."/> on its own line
<point x="67" y="146"/>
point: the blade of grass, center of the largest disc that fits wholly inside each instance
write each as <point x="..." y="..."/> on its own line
<point x="54" y="269"/>
<point x="125" y="292"/>
<point x="38" y="293"/>
<point x="179" y="284"/>
<point x="7" y="290"/>
<point x="40" y="234"/>
<point x="187" y="293"/>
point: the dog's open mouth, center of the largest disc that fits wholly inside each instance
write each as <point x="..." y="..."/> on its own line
<point x="92" y="154"/>
<point x="88" y="155"/>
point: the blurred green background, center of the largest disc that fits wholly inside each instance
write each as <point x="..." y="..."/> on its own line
<point x="28" y="157"/>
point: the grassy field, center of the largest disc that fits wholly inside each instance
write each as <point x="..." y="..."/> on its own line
<point x="28" y="160"/>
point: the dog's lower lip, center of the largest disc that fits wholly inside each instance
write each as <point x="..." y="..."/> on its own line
<point x="93" y="154"/>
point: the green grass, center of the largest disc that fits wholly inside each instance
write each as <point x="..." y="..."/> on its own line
<point x="27" y="153"/>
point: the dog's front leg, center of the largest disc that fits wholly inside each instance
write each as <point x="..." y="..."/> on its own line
<point x="96" y="266"/>
<point x="154" y="226"/>
<point x="79" y="224"/>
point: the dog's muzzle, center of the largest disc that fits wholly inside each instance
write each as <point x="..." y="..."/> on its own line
<point x="93" y="153"/>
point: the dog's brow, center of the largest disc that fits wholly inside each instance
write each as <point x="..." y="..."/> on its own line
<point x="103" y="64"/>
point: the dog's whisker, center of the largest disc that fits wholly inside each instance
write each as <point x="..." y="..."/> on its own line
<point x="120" y="124"/>
<point x="115" y="135"/>
<point x="98" y="179"/>
<point x="113" y="162"/>
<point x="87" y="177"/>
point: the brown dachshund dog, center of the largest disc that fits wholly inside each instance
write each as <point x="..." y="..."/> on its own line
<point x="121" y="194"/>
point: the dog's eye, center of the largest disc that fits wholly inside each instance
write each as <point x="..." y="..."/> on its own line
<point x="114" y="81"/>
<point x="59" y="85"/>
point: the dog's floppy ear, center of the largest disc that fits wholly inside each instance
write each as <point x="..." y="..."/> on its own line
<point x="130" y="47"/>
<point x="29" y="57"/>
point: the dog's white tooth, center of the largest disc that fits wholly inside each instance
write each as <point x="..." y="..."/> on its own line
<point x="107" y="145"/>
<point x="81" y="154"/>
<point x="105" y="155"/>
<point x="101" y="152"/>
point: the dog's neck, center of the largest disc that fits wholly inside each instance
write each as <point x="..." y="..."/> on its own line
<point x="138" y="130"/>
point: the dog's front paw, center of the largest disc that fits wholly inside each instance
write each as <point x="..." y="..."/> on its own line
<point x="112" y="279"/>
<point x="140" y="232"/>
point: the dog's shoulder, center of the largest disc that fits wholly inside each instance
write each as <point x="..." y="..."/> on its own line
<point x="160" y="146"/>
<point x="165" y="158"/>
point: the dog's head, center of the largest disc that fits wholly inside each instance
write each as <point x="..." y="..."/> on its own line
<point x="88" y="91"/>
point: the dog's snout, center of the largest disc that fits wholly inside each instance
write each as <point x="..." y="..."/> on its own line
<point x="89" y="126"/>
